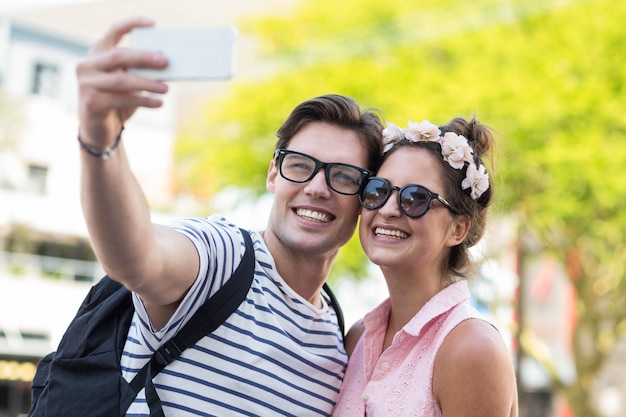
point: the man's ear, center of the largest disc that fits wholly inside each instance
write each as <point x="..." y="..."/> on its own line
<point x="459" y="229"/>
<point x="272" y="172"/>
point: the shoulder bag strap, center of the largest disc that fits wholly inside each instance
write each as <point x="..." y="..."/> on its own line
<point x="332" y="301"/>
<point x="209" y="317"/>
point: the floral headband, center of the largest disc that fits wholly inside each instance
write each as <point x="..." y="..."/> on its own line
<point x="455" y="150"/>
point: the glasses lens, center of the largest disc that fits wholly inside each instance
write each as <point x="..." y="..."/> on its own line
<point x="344" y="178"/>
<point x="374" y="194"/>
<point x="297" y="167"/>
<point x="414" y="200"/>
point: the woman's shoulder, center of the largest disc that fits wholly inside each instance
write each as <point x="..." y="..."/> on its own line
<point x="472" y="339"/>
<point x="472" y="365"/>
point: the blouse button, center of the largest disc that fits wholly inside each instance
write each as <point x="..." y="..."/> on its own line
<point x="365" y="398"/>
<point x="384" y="366"/>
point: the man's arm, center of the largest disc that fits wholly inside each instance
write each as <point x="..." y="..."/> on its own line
<point x="156" y="262"/>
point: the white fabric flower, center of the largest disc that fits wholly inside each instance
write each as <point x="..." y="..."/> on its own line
<point x="477" y="179"/>
<point x="392" y="134"/>
<point x="424" y="131"/>
<point x="388" y="147"/>
<point x="456" y="150"/>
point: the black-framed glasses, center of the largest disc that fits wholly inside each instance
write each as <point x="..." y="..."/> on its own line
<point x="300" y="167"/>
<point x="414" y="200"/>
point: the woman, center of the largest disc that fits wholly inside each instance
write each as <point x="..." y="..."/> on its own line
<point x="425" y="351"/>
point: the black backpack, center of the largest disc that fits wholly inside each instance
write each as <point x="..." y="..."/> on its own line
<point x="83" y="377"/>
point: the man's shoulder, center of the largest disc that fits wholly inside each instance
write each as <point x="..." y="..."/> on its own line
<point x="212" y="225"/>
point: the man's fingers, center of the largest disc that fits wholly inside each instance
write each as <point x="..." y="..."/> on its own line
<point x="109" y="92"/>
<point x="126" y="102"/>
<point x="103" y="92"/>
<point x="117" y="32"/>
<point x="122" y="58"/>
<point x="122" y="81"/>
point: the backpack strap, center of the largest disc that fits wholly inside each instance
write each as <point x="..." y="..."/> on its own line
<point x="209" y="317"/>
<point x="332" y="301"/>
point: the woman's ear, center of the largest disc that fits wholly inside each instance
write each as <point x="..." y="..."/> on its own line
<point x="459" y="229"/>
<point x="272" y="172"/>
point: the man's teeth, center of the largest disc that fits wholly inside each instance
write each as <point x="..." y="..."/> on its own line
<point x="390" y="233"/>
<point x="313" y="215"/>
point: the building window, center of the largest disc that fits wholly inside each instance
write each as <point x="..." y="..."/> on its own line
<point x="45" y="80"/>
<point x="37" y="178"/>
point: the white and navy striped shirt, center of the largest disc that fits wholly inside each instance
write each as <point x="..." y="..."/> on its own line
<point x="277" y="355"/>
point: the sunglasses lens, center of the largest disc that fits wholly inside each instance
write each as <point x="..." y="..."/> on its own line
<point x="374" y="193"/>
<point x="414" y="200"/>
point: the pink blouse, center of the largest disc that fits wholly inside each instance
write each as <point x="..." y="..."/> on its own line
<point x="398" y="381"/>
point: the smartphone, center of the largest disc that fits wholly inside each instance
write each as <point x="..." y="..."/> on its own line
<point x="192" y="53"/>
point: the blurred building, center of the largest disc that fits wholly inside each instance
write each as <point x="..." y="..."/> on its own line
<point x="41" y="234"/>
<point x="46" y="263"/>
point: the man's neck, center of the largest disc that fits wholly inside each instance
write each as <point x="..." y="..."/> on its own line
<point x="303" y="272"/>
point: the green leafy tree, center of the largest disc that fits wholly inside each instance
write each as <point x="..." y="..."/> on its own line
<point x="547" y="74"/>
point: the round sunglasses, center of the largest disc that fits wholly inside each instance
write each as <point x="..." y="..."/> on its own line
<point x="414" y="200"/>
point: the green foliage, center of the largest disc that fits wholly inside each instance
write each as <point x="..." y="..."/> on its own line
<point x="547" y="74"/>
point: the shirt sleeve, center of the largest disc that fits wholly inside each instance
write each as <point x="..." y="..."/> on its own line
<point x="220" y="247"/>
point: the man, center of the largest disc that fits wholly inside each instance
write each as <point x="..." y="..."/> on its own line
<point x="281" y="352"/>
